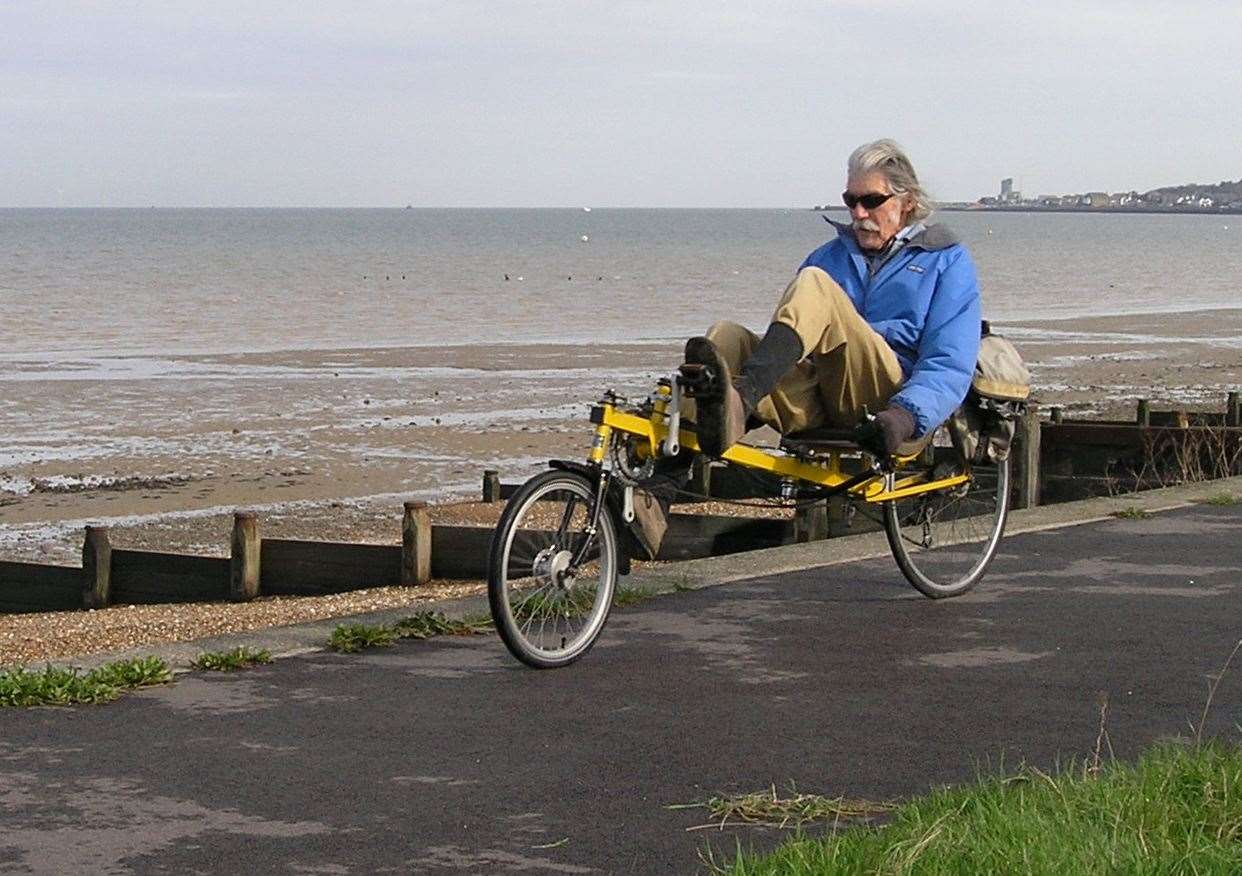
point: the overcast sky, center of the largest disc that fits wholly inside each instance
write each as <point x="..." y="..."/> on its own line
<point x="465" y="103"/>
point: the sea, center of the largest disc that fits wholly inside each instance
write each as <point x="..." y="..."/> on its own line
<point x="227" y="347"/>
<point x="105" y="282"/>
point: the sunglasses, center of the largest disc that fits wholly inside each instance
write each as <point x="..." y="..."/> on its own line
<point x="869" y="201"/>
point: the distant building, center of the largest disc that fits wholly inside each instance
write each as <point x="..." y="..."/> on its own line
<point x="1006" y="192"/>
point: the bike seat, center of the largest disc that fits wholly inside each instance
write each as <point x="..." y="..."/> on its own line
<point x="827" y="438"/>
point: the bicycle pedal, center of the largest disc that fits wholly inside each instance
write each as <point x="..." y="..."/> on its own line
<point x="697" y="379"/>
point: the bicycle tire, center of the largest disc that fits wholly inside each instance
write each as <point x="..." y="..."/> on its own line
<point x="954" y="546"/>
<point x="533" y="581"/>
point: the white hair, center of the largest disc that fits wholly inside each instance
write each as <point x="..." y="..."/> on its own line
<point x="886" y="157"/>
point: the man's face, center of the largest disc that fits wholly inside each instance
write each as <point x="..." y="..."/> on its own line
<point x="876" y="227"/>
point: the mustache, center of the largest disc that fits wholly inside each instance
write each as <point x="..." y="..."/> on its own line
<point x="865" y="225"/>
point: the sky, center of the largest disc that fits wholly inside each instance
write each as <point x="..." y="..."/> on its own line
<point x="539" y="103"/>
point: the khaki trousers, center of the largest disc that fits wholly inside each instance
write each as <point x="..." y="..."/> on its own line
<point x="846" y="365"/>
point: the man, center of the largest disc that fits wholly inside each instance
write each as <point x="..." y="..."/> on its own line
<point x="885" y="318"/>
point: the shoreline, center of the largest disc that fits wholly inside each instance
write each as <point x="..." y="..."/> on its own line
<point x="542" y="344"/>
<point x="328" y="442"/>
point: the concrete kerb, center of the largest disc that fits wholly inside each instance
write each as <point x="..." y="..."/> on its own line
<point x="295" y="639"/>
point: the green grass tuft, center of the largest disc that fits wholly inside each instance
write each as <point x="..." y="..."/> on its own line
<point x="1132" y="513"/>
<point x="426" y="624"/>
<point x="231" y="660"/>
<point x="57" y="686"/>
<point x="351" y="638"/>
<point x="1222" y="499"/>
<point x="1178" y="810"/>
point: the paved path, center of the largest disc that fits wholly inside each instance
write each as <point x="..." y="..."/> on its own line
<point x="446" y="756"/>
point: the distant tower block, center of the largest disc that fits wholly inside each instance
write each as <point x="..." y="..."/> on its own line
<point x="1006" y="193"/>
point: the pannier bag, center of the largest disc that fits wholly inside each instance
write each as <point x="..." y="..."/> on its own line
<point x="982" y="428"/>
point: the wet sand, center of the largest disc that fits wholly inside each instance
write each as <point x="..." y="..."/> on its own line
<point x="327" y="444"/>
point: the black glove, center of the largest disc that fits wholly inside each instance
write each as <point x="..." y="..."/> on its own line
<point x="886" y="431"/>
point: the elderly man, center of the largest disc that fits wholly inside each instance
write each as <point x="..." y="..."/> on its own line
<point x="885" y="317"/>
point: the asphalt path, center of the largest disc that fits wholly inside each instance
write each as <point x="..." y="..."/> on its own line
<point x="448" y="756"/>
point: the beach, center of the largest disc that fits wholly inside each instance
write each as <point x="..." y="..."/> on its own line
<point x="328" y="444"/>
<point x="162" y="369"/>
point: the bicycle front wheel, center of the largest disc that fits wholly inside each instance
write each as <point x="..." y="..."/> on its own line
<point x="550" y="579"/>
<point x="943" y="541"/>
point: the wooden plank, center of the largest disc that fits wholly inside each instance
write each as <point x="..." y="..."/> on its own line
<point x="460" y="552"/>
<point x="143" y="577"/>
<point x="735" y="482"/>
<point x="29" y="587"/>
<point x="308" y="568"/>
<point x="1129" y="437"/>
<point x="691" y="536"/>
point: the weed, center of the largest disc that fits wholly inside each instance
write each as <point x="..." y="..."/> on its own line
<point x="432" y="623"/>
<point x="351" y="638"/>
<point x="624" y="596"/>
<point x="1132" y="512"/>
<point x="1223" y="499"/>
<point x="231" y="660"/>
<point x="138" y="672"/>
<point x="57" y="686"/>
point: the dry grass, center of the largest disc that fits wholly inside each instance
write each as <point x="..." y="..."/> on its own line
<point x="769" y="809"/>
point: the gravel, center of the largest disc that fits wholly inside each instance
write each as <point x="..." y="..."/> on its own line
<point x="27" y="639"/>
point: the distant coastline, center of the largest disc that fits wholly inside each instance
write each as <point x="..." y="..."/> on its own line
<point x="958" y="207"/>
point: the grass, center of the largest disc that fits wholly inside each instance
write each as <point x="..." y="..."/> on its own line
<point x="1178" y="810"/>
<point x="351" y="638"/>
<point x="231" y="660"/>
<point x="426" y="624"/>
<point x="1132" y="512"/>
<point x="1222" y="499"/>
<point x="57" y="686"/>
<point x="771" y="810"/>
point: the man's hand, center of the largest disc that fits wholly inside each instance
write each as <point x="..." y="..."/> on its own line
<point x="886" y="431"/>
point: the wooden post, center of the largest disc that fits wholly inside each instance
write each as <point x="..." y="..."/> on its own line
<point x="1142" y="414"/>
<point x="701" y="476"/>
<point x="244" y="556"/>
<point x="811" y="522"/>
<point x="416" y="544"/>
<point x="96" y="568"/>
<point x="1025" y="487"/>
<point x="491" y="486"/>
<point x="1057" y="415"/>
<point x="838" y="515"/>
<point x="1233" y="410"/>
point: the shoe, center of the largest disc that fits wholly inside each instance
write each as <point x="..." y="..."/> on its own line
<point x="721" y="413"/>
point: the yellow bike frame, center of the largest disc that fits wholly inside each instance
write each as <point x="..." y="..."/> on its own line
<point x="824" y="472"/>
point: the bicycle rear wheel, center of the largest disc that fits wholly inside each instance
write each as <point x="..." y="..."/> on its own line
<point x="943" y="541"/>
<point x="550" y="580"/>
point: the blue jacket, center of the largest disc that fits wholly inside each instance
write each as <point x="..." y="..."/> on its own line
<point x="924" y="301"/>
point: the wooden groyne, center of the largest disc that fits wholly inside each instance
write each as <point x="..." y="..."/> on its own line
<point x="1055" y="459"/>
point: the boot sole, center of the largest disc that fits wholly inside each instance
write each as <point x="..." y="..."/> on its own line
<point x="709" y="405"/>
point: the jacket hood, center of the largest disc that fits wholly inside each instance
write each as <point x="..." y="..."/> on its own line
<point x="930" y="238"/>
